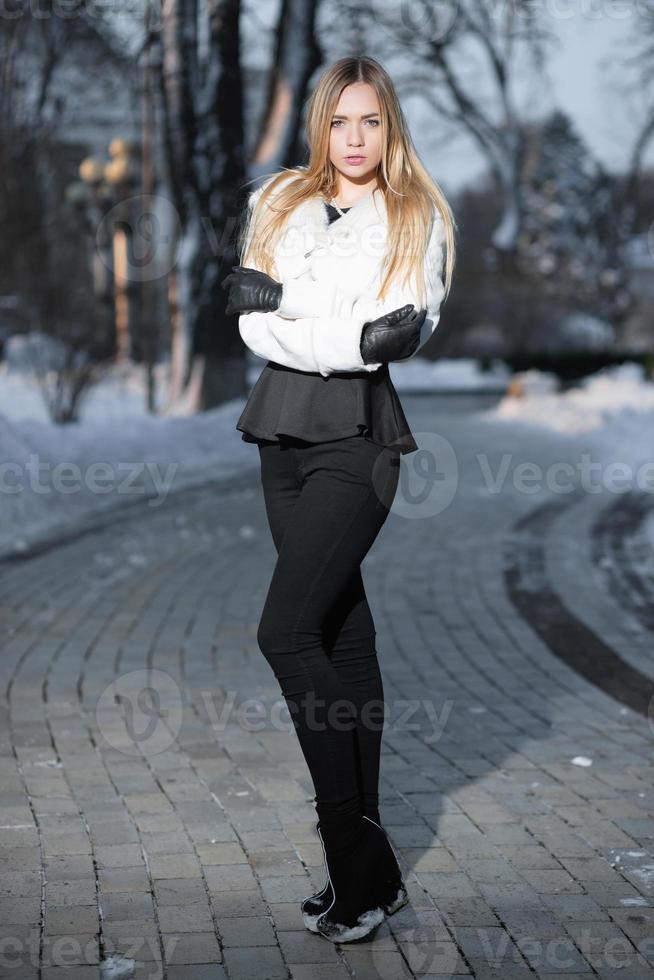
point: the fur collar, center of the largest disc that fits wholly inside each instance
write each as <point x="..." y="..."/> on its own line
<point x="307" y="229"/>
<point x="369" y="208"/>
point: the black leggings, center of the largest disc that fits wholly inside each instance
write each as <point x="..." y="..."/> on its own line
<point x="326" y="502"/>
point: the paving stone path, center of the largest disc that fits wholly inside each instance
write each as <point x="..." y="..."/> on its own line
<point x="156" y="814"/>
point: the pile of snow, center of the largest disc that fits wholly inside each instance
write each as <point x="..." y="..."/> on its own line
<point x="616" y="404"/>
<point x="594" y="402"/>
<point x="532" y="383"/>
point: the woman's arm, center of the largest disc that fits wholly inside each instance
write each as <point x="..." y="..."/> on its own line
<point x="324" y="344"/>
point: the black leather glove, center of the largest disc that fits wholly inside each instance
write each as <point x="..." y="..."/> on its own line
<point x="393" y="336"/>
<point x="251" y="290"/>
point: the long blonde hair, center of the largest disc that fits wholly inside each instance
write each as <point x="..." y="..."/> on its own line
<point x="410" y="193"/>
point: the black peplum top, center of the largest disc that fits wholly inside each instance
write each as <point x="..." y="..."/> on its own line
<point x="308" y="406"/>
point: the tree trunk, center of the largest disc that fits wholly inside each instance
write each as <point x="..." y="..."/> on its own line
<point x="203" y="111"/>
<point x="297" y="56"/>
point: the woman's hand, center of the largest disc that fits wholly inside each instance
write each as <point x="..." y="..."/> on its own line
<point x="251" y="290"/>
<point x="393" y="336"/>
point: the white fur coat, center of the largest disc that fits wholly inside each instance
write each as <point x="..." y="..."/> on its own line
<point x="331" y="274"/>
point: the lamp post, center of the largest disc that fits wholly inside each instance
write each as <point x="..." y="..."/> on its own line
<point x="105" y="194"/>
<point x="122" y="175"/>
<point x="92" y="198"/>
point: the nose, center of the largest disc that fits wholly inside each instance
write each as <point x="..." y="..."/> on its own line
<point x="354" y="137"/>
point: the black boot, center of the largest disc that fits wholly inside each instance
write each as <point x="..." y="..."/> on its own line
<point x="316" y="904"/>
<point x="366" y="886"/>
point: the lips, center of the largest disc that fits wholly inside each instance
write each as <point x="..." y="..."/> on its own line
<point x="355" y="158"/>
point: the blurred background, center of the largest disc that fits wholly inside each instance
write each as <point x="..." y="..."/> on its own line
<point x="130" y="131"/>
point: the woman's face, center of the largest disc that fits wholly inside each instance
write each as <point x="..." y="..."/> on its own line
<point x="355" y="132"/>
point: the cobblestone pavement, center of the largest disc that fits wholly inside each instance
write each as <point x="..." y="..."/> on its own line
<point x="156" y="811"/>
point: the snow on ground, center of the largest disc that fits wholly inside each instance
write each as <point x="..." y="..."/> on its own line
<point x="615" y="406"/>
<point x="54" y="476"/>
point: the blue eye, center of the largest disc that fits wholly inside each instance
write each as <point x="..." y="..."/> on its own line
<point x="374" y="121"/>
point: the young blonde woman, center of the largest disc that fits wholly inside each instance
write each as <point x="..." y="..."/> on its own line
<point x="345" y="264"/>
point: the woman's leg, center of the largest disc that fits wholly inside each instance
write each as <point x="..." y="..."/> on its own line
<point x="349" y="638"/>
<point x="348" y="634"/>
<point x="347" y="487"/>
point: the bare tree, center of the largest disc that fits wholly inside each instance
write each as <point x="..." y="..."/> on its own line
<point x="464" y="58"/>
<point x="633" y="62"/>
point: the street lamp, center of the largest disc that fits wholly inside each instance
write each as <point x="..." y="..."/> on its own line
<point x="109" y="187"/>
